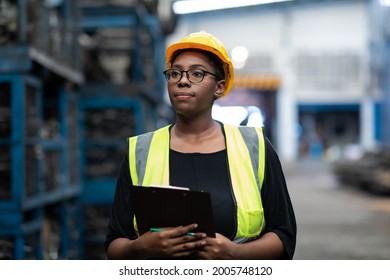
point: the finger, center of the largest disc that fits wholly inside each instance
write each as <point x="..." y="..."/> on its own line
<point x="188" y="241"/>
<point x="202" y="255"/>
<point x="188" y="246"/>
<point x="180" y="235"/>
<point x="185" y="253"/>
<point x="198" y="239"/>
<point x="201" y="235"/>
<point x="201" y="244"/>
<point x="187" y="230"/>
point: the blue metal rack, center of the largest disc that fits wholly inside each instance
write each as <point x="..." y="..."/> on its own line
<point x="39" y="159"/>
<point x="112" y="111"/>
<point x="19" y="196"/>
<point x="36" y="168"/>
<point x="99" y="179"/>
<point x="57" y="125"/>
<point x="108" y="118"/>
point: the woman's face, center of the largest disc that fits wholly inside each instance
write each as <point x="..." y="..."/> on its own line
<point x="194" y="99"/>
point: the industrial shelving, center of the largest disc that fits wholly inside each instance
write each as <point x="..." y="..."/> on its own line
<point x="39" y="161"/>
<point x="76" y="79"/>
<point x="109" y="115"/>
<point x="34" y="165"/>
<point x="123" y="54"/>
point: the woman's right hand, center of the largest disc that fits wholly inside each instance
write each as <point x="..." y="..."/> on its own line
<point x="170" y="242"/>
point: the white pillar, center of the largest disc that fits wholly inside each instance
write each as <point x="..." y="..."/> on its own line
<point x="367" y="137"/>
<point x="287" y="116"/>
<point x="287" y="141"/>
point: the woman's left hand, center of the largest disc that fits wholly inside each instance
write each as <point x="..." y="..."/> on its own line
<point x="219" y="247"/>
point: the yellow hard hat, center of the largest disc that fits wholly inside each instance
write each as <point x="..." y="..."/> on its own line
<point x="207" y="42"/>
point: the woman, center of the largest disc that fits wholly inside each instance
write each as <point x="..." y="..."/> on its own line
<point x="252" y="210"/>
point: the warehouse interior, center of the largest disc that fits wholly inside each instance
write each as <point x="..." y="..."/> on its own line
<point x="77" y="78"/>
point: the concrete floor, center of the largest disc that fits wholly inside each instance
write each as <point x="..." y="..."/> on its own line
<point x="336" y="222"/>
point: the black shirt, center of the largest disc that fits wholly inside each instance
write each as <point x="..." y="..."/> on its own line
<point x="209" y="172"/>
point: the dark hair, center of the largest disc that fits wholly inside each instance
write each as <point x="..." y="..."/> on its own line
<point x="213" y="58"/>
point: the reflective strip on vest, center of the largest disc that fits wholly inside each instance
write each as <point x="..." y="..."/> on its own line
<point x="246" y="155"/>
<point x="155" y="144"/>
<point x="149" y="165"/>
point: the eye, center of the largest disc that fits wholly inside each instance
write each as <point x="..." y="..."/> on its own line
<point x="174" y="74"/>
<point x="197" y="73"/>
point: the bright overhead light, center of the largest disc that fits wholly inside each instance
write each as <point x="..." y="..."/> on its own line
<point x="385" y="2"/>
<point x="195" y="6"/>
<point x="239" y="56"/>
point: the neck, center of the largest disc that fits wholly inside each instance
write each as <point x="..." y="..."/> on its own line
<point x="197" y="136"/>
<point x="194" y="127"/>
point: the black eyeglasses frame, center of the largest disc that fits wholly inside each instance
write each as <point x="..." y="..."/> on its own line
<point x="187" y="75"/>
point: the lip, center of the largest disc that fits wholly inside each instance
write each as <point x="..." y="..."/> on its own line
<point x="183" y="95"/>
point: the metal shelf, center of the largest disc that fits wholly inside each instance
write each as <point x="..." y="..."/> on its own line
<point x="36" y="168"/>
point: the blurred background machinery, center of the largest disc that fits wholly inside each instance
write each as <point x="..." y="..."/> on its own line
<point x="76" y="79"/>
<point x="370" y="172"/>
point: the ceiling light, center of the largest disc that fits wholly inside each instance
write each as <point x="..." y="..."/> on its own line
<point x="239" y="56"/>
<point x="384" y="2"/>
<point x="195" y="6"/>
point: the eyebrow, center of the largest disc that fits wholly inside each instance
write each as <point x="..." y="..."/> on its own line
<point x="191" y="66"/>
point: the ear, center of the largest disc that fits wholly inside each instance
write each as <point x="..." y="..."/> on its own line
<point x="220" y="89"/>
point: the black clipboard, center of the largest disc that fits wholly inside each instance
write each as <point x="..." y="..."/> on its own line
<point x="158" y="207"/>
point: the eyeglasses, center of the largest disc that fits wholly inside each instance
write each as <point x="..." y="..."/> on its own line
<point x="193" y="75"/>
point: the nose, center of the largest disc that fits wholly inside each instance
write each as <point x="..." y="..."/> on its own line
<point x="184" y="78"/>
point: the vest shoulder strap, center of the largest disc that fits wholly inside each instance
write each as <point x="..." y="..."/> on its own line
<point x="254" y="140"/>
<point x="142" y="170"/>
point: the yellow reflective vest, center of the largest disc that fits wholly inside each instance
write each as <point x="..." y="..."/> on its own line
<point x="149" y="165"/>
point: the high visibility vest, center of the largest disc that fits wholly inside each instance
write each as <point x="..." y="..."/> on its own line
<point x="149" y="165"/>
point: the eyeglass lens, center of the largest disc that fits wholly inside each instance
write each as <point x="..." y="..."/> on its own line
<point x="193" y="75"/>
